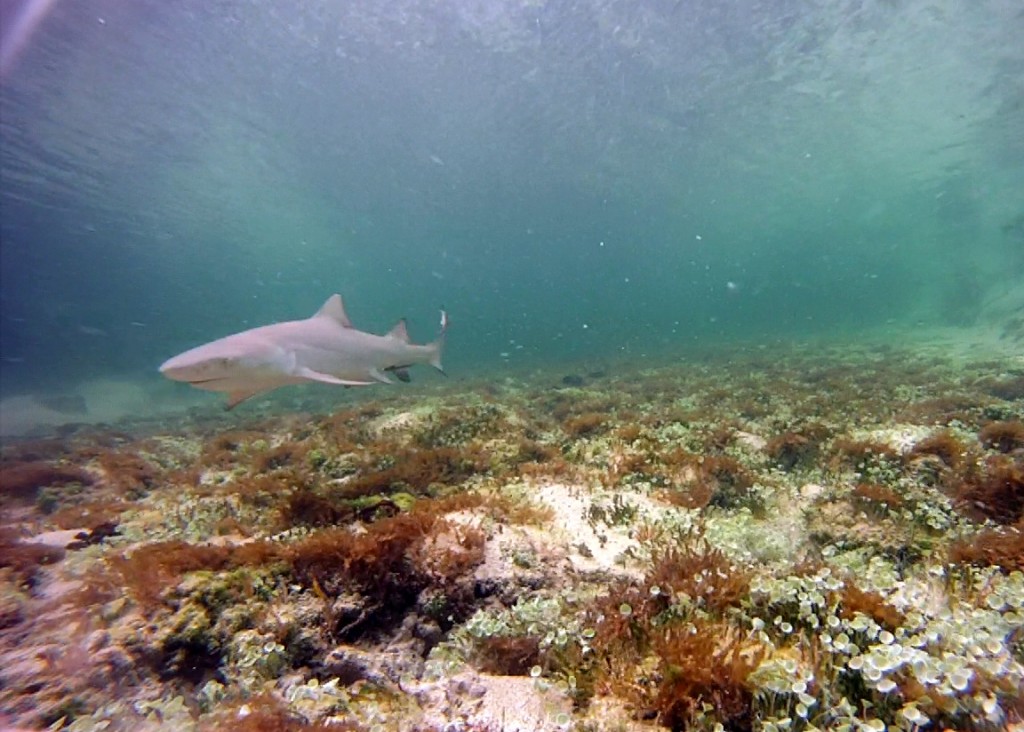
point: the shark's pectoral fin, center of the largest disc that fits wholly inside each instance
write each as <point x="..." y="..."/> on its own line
<point x="380" y="376"/>
<point x="237" y="397"/>
<point x="311" y="375"/>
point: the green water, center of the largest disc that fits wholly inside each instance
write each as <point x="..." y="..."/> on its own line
<point x="570" y="180"/>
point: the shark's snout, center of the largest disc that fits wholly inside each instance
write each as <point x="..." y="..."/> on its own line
<point x="194" y="366"/>
<point x="175" y="369"/>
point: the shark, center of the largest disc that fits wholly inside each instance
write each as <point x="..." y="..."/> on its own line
<point x="325" y="348"/>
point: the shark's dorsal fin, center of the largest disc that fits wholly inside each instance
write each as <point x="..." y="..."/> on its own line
<point x="334" y="309"/>
<point x="399" y="332"/>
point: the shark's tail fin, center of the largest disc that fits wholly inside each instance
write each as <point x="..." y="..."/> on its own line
<point x="438" y="345"/>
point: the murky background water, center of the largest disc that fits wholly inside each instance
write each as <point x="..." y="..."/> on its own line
<point x="569" y="179"/>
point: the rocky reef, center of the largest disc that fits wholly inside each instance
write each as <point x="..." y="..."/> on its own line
<point x="774" y="538"/>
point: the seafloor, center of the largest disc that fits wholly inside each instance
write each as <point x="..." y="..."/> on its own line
<point x="786" y="537"/>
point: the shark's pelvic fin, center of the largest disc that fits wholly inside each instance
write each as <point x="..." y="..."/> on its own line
<point x="380" y="376"/>
<point x="334" y="309"/>
<point x="308" y="373"/>
<point x="399" y="332"/>
<point x="401" y="373"/>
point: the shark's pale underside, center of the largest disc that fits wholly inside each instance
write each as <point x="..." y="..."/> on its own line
<point x="324" y="348"/>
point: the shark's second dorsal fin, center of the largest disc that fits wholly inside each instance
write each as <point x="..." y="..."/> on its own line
<point x="334" y="309"/>
<point x="399" y="332"/>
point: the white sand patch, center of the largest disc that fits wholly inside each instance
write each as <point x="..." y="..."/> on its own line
<point x="403" y="423"/>
<point x="519" y="549"/>
<point x="58" y="538"/>
<point x="516" y="703"/>
<point x="594" y="545"/>
<point x="508" y="703"/>
<point x="754" y="442"/>
<point x="900" y="437"/>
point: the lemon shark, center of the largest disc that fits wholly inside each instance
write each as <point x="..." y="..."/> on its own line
<point x="325" y="348"/>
